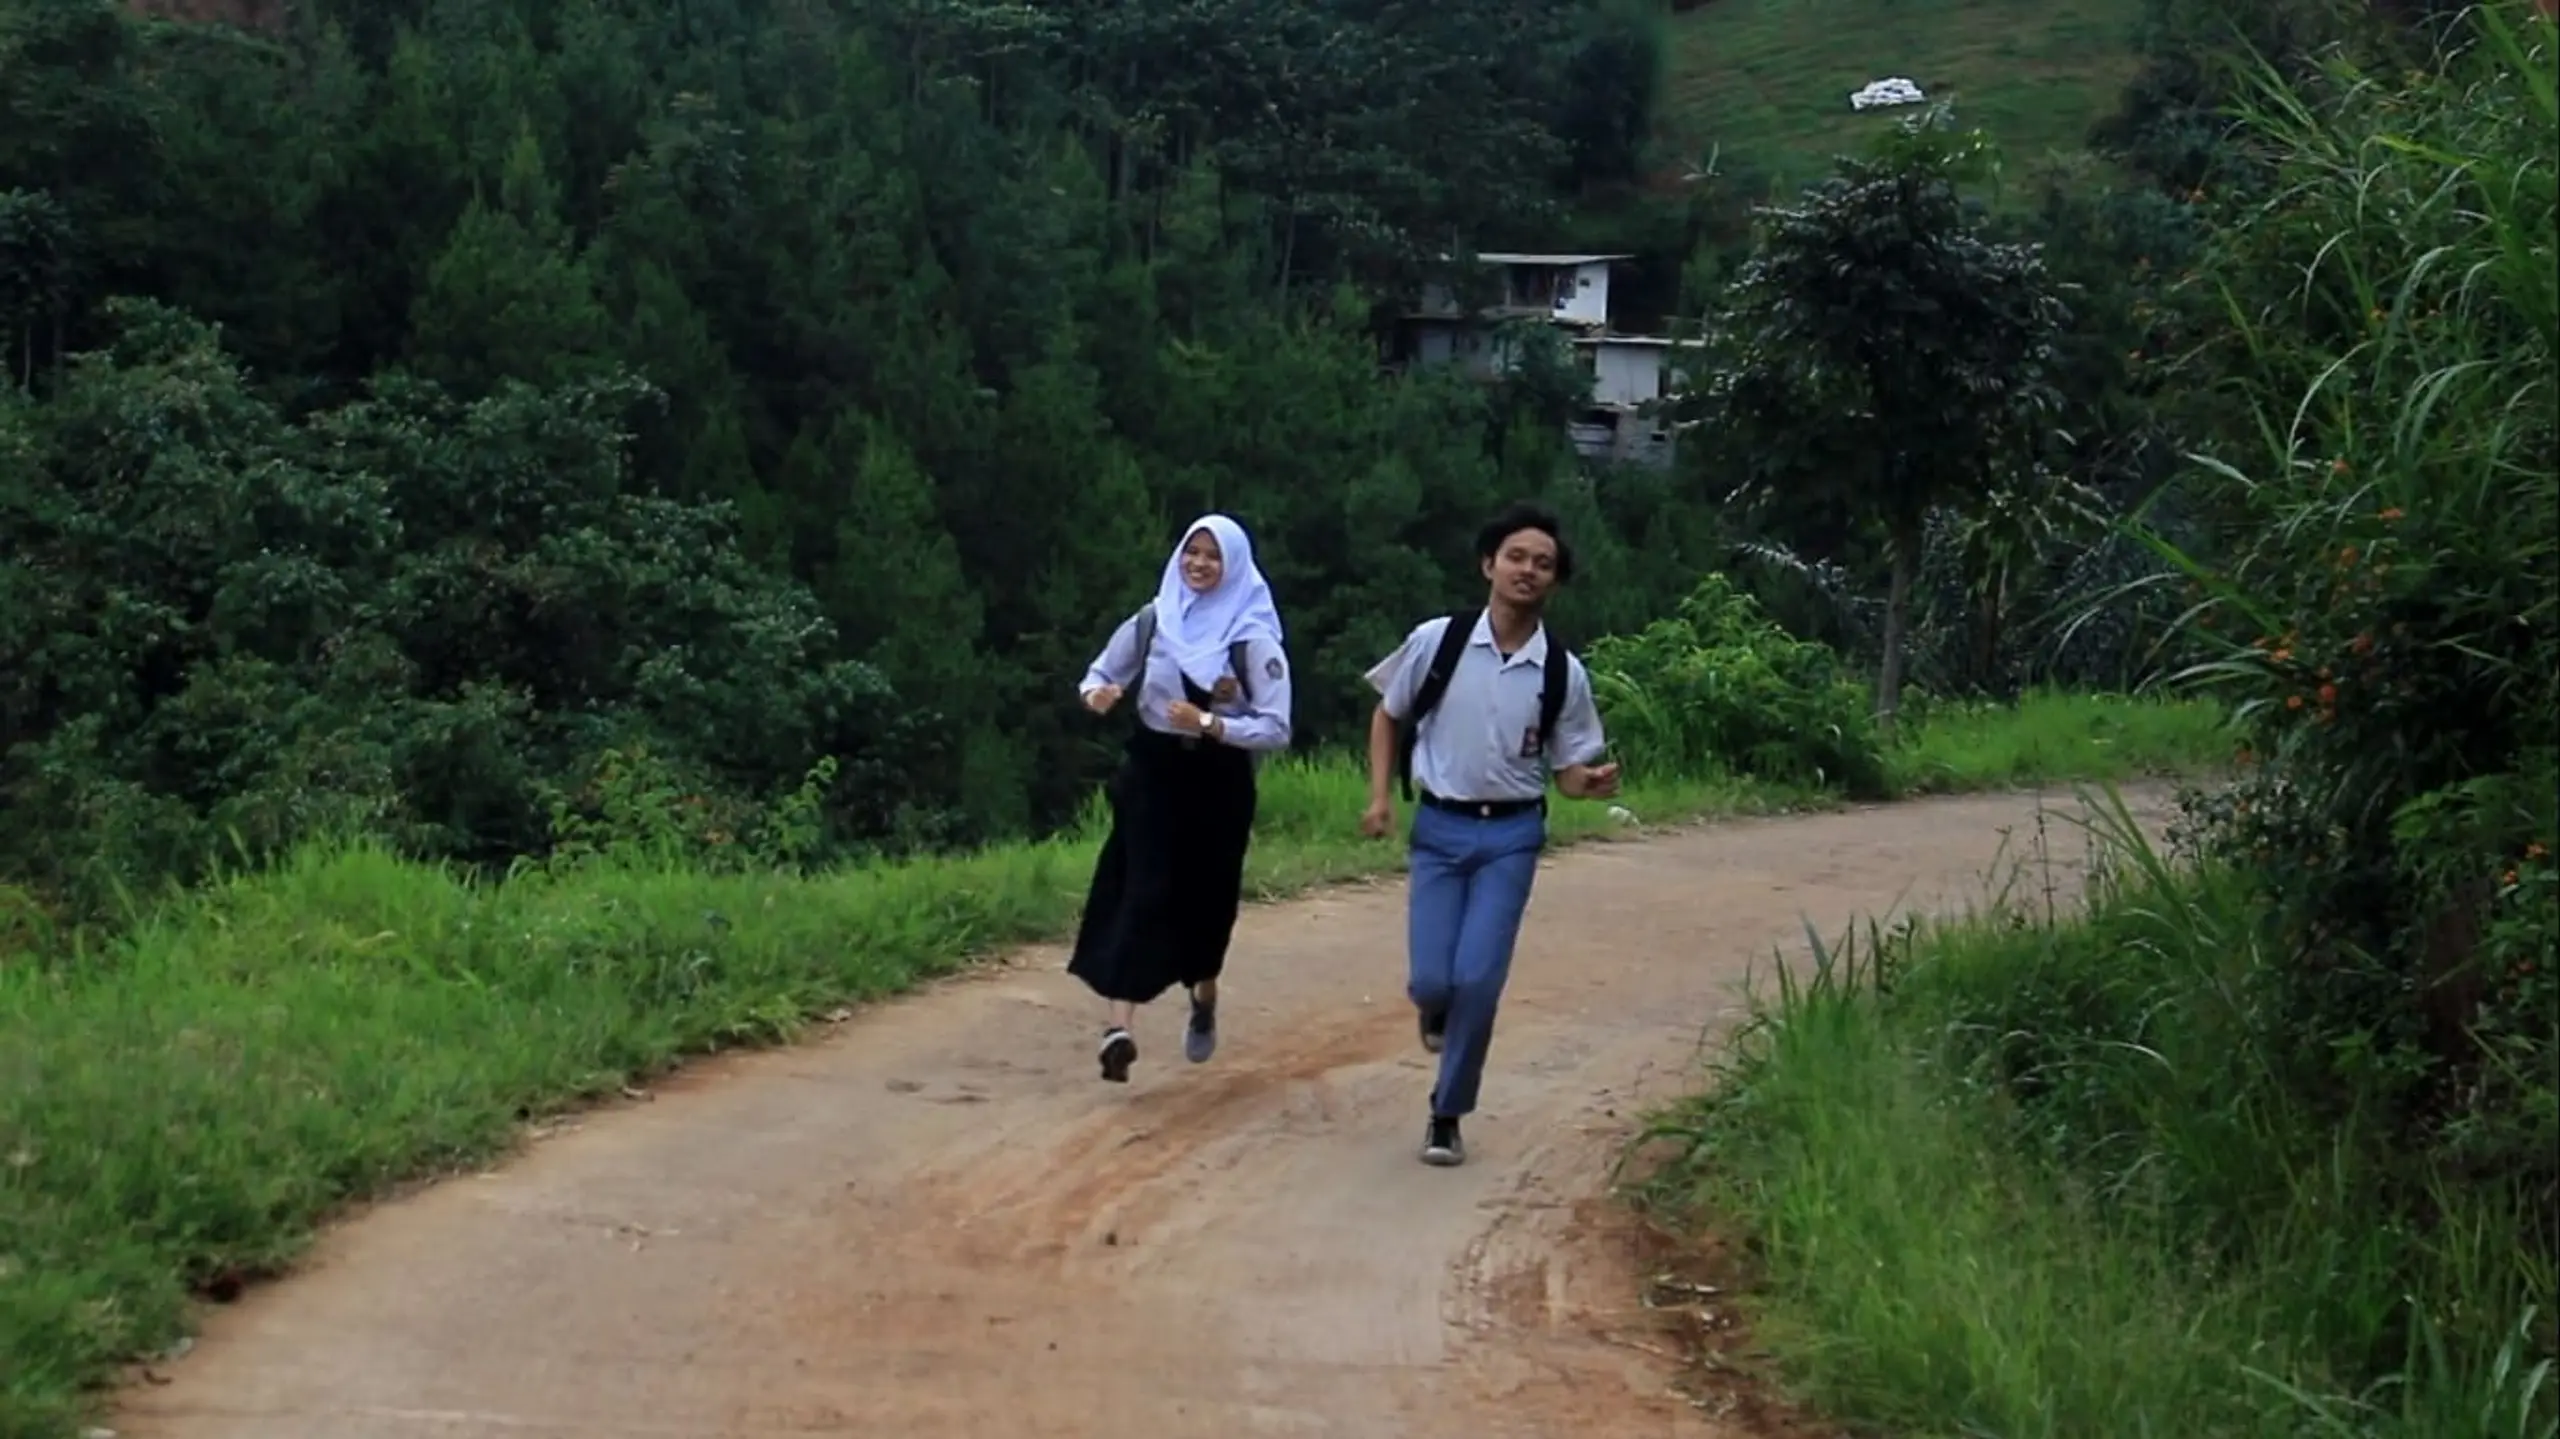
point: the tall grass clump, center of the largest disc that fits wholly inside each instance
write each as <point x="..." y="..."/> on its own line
<point x="2386" y="617"/>
<point x="2027" y="1174"/>
<point x="2269" y="1142"/>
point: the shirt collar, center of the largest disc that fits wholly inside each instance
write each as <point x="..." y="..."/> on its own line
<point x="1532" y="653"/>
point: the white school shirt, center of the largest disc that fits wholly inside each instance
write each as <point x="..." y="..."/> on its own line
<point x="1481" y="742"/>
<point x="1259" y="723"/>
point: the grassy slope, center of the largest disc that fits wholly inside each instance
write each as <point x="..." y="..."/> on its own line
<point x="1932" y="1255"/>
<point x="179" y="1112"/>
<point x="1769" y="80"/>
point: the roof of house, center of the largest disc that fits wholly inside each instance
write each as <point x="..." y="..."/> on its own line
<point x="1508" y="257"/>
<point x="1478" y="315"/>
<point x="1648" y="340"/>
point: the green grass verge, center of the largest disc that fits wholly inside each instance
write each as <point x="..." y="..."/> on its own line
<point x="1768" y="81"/>
<point x="2088" y="738"/>
<point x="181" y="1108"/>
<point x="2038" y="1186"/>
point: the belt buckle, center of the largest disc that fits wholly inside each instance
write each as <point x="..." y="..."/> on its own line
<point x="1484" y="811"/>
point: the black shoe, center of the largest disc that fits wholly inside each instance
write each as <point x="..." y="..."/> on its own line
<point x="1201" y="1040"/>
<point x="1441" y="1146"/>
<point x="1119" y="1051"/>
<point x="1435" y="1029"/>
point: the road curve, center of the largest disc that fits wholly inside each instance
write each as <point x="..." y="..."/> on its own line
<point x="936" y="1222"/>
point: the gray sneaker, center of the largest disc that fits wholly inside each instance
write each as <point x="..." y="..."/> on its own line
<point x="1442" y="1148"/>
<point x="1435" y="1029"/>
<point x="1201" y="1040"/>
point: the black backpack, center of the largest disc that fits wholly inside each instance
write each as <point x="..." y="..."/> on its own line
<point x="1435" y="683"/>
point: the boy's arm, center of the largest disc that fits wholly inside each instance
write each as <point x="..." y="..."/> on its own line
<point x="1382" y="756"/>
<point x="1579" y="745"/>
<point x="1397" y="679"/>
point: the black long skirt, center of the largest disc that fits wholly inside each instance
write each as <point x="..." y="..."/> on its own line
<point x="1165" y="888"/>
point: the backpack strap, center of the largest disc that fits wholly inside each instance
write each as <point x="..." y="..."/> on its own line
<point x="1239" y="654"/>
<point x="1435" y="683"/>
<point x="1552" y="689"/>
<point x="1240" y="664"/>
<point x="1145" y="620"/>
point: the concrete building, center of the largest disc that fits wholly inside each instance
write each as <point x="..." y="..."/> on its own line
<point x="1629" y="373"/>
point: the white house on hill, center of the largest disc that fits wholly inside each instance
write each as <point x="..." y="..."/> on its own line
<point x="1566" y="289"/>
<point x="1570" y="292"/>
<point x="1629" y="375"/>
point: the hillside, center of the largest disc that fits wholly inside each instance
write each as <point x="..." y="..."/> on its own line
<point x="1767" y="82"/>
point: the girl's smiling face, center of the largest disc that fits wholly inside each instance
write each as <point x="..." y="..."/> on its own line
<point x="1203" y="563"/>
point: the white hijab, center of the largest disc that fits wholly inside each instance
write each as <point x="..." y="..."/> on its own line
<point x="1196" y="629"/>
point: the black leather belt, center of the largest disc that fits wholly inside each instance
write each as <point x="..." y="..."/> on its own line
<point x="1483" y="808"/>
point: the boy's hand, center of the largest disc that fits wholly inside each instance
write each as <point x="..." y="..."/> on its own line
<point x="1379" y="820"/>
<point x="1599" y="781"/>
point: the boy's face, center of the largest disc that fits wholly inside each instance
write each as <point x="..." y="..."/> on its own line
<point x="1523" y="569"/>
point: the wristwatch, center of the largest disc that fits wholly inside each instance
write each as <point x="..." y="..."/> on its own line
<point x="1208" y="723"/>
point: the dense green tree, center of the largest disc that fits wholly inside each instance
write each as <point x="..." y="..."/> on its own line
<point x="1880" y="354"/>
<point x="409" y="612"/>
<point x="508" y="299"/>
<point x="755" y="381"/>
<point x="38" y="250"/>
<point x="1616" y="73"/>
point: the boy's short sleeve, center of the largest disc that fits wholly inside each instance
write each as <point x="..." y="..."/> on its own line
<point x="1399" y="676"/>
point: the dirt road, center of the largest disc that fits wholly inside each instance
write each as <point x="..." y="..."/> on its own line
<point x="938" y="1223"/>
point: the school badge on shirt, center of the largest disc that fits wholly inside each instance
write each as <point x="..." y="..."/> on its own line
<point x="1271" y="669"/>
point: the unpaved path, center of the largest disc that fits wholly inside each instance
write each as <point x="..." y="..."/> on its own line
<point x="938" y="1223"/>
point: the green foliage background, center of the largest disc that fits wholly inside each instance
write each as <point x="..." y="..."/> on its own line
<point x="503" y="384"/>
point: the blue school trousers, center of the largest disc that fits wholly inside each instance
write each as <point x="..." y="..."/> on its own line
<point x="1468" y="891"/>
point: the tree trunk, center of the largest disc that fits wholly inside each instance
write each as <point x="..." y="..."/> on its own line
<point x="1988" y="624"/>
<point x="1904" y="543"/>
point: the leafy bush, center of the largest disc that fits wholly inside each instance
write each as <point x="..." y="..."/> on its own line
<point x="1719" y="688"/>
<point x="2390" y="618"/>
<point x="223" y="632"/>
<point x="2020" y="598"/>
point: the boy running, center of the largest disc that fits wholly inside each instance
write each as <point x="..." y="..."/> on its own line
<point x="1475" y="710"/>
